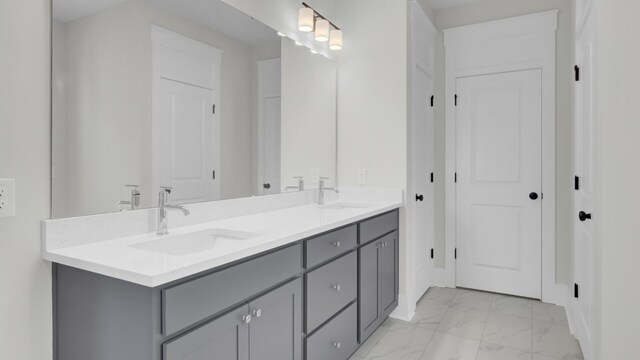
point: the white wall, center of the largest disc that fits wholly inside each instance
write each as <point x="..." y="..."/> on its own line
<point x="25" y="279"/>
<point x="308" y="122"/>
<point x="487" y="10"/>
<point x="618" y="173"/>
<point x="109" y="106"/>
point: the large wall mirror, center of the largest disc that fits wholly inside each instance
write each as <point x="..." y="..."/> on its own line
<point x="192" y="94"/>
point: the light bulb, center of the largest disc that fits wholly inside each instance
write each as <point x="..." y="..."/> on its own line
<point x="335" y="40"/>
<point x="305" y="19"/>
<point x="322" y="30"/>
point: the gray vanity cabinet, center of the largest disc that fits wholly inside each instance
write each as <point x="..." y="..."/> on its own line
<point x="314" y="299"/>
<point x="378" y="289"/>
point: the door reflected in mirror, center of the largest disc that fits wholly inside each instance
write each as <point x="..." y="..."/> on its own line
<point x="184" y="93"/>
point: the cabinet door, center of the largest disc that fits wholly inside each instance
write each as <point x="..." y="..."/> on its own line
<point x="368" y="290"/>
<point x="276" y="325"/>
<point x="387" y="273"/>
<point x="226" y="338"/>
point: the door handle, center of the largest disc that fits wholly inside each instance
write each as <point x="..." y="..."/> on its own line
<point x="419" y="197"/>
<point x="266" y="186"/>
<point x="583" y="216"/>
<point x="533" y="196"/>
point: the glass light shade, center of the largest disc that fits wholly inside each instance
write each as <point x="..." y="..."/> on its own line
<point x="322" y="30"/>
<point x="305" y="19"/>
<point x="335" y="40"/>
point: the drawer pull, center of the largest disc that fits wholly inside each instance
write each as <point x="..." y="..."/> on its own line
<point x="336" y="244"/>
<point x="336" y="287"/>
<point x="257" y="313"/>
<point x="246" y="319"/>
<point x="337" y="344"/>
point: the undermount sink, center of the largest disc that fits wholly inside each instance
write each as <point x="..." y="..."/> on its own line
<point x="191" y="243"/>
<point x="345" y="206"/>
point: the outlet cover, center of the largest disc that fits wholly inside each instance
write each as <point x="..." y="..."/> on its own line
<point x="362" y="176"/>
<point x="7" y="198"/>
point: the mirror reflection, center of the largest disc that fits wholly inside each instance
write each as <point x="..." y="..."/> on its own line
<point x="190" y="94"/>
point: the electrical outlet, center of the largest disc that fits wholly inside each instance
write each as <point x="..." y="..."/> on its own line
<point x="7" y="198"/>
<point x="362" y="176"/>
<point x="315" y="174"/>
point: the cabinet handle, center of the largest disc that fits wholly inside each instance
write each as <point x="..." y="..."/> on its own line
<point x="246" y="319"/>
<point x="336" y="244"/>
<point x="257" y="313"/>
<point x="336" y="287"/>
<point x="337" y="344"/>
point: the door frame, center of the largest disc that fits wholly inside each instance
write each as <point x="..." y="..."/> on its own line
<point x="531" y="45"/>
<point x="162" y="69"/>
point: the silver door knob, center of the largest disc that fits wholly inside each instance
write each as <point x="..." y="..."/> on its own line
<point x="246" y="319"/>
<point x="336" y="244"/>
<point x="336" y="287"/>
<point x="257" y="313"/>
<point x="337" y="344"/>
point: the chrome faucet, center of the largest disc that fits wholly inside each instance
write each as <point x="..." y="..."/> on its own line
<point x="322" y="188"/>
<point x="134" y="201"/>
<point x="300" y="186"/>
<point x="163" y="206"/>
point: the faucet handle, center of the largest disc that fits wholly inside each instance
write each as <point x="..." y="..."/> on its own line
<point x="166" y="189"/>
<point x="134" y="188"/>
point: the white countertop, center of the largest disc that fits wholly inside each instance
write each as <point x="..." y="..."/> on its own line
<point x="117" y="257"/>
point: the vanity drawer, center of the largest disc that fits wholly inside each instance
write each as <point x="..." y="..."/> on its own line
<point x="193" y="301"/>
<point x="330" y="245"/>
<point x="378" y="226"/>
<point x="337" y="339"/>
<point x="330" y="288"/>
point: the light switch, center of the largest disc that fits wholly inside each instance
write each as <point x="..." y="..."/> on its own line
<point x="362" y="176"/>
<point x="7" y="198"/>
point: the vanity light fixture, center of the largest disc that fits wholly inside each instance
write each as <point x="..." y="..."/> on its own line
<point x="310" y="20"/>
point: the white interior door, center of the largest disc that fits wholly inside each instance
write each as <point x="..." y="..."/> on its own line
<point x="499" y="179"/>
<point x="269" y="120"/>
<point x="422" y="147"/>
<point x="584" y="246"/>
<point x="185" y="131"/>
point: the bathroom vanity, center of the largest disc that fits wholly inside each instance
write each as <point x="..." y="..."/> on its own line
<point x="279" y="295"/>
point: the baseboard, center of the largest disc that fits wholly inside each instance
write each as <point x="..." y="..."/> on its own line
<point x="405" y="310"/>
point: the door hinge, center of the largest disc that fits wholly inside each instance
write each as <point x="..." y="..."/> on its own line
<point x="432" y="98"/>
<point x="576" y="69"/>
<point x="214" y="108"/>
<point x="455" y="100"/>
<point x="455" y="177"/>
<point x="432" y="253"/>
<point x="575" y="291"/>
<point x="214" y="174"/>
<point x="431" y="177"/>
<point x="455" y="253"/>
<point x="576" y="183"/>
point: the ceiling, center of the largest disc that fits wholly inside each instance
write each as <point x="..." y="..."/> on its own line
<point x="211" y="13"/>
<point x="442" y="4"/>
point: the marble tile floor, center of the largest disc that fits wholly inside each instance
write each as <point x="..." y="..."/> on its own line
<point x="460" y="324"/>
